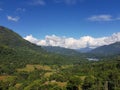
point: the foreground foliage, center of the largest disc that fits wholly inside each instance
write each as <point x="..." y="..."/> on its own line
<point x="101" y="75"/>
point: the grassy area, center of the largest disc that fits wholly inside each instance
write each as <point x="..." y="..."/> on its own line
<point x="18" y="85"/>
<point x="30" y="68"/>
<point x="47" y="74"/>
<point x="66" y="66"/>
<point x="61" y="84"/>
<point x="3" y="77"/>
<point x="82" y="78"/>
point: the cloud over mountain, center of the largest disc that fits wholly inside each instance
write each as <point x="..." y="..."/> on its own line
<point x="82" y="42"/>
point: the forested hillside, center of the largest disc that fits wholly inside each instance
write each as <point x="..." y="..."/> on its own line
<point x="62" y="51"/>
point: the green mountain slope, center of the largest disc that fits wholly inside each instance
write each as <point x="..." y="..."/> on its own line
<point x="111" y="49"/>
<point x="13" y="40"/>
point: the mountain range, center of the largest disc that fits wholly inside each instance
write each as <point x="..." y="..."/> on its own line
<point x="61" y="50"/>
<point x="13" y="46"/>
<point x="111" y="49"/>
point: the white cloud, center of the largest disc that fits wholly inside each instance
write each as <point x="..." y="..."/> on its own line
<point x="21" y="9"/>
<point x="15" y="19"/>
<point x="100" y="18"/>
<point x="69" y="2"/>
<point x="43" y="2"/>
<point x="37" y="2"/>
<point x="82" y="42"/>
<point x="103" y="18"/>
<point x="31" y="39"/>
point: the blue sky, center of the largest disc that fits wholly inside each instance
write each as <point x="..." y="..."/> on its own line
<point x="69" y="18"/>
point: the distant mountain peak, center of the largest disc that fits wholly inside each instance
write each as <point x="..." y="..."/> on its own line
<point x="84" y="50"/>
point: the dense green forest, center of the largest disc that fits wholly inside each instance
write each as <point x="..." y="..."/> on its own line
<point x="25" y="66"/>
